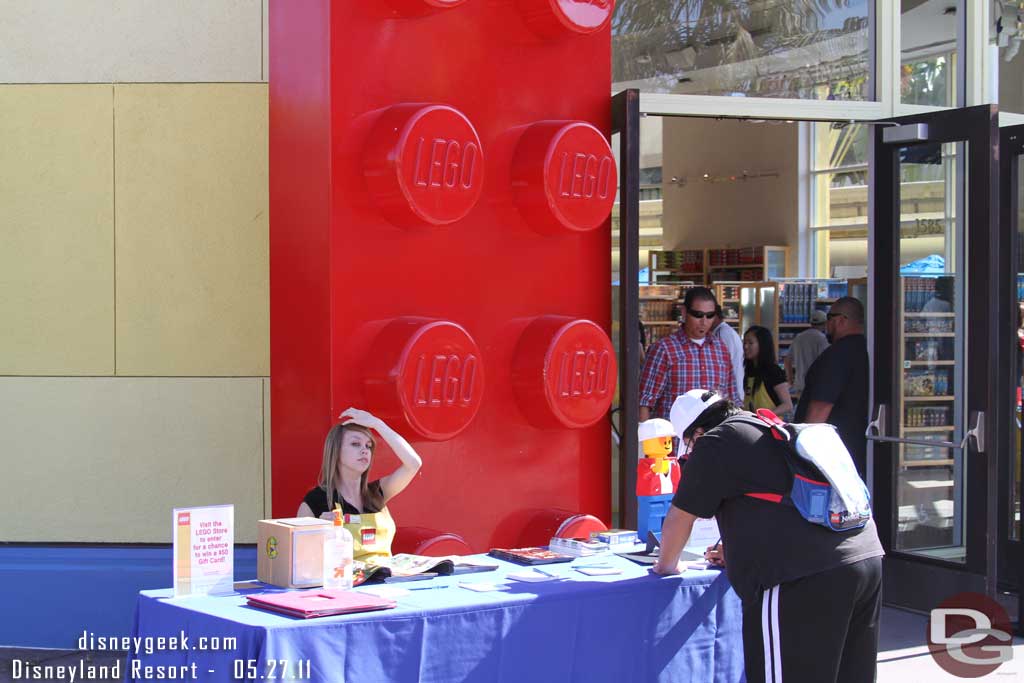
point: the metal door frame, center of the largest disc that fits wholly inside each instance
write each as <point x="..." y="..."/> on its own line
<point x="911" y="580"/>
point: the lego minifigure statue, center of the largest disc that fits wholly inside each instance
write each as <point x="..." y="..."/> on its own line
<point x="657" y="476"/>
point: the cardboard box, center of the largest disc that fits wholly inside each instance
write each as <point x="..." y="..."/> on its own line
<point x="290" y="552"/>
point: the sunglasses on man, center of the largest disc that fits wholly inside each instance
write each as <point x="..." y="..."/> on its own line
<point x="701" y="314"/>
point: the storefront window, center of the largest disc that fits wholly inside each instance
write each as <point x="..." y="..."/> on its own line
<point x="839" y="200"/>
<point x="929" y="44"/>
<point x="748" y="48"/>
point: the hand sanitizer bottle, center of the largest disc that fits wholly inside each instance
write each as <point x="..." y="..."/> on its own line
<point x="338" y="555"/>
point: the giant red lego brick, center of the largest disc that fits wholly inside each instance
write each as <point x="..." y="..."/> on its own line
<point x="441" y="183"/>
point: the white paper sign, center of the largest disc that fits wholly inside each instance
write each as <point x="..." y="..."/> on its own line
<point x="204" y="550"/>
<point x="705" y="533"/>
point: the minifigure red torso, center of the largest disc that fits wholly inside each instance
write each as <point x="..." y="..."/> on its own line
<point x="649" y="483"/>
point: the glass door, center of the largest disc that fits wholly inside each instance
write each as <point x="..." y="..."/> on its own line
<point x="934" y="219"/>
<point x="1011" y="489"/>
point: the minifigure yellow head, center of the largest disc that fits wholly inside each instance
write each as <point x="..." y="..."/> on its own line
<point x="655" y="437"/>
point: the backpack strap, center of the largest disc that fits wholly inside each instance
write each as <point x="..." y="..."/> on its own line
<point x="766" y="419"/>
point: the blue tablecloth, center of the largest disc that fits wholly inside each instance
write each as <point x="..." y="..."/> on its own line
<point x="635" y="626"/>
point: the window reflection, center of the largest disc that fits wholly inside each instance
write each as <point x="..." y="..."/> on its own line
<point x="805" y="49"/>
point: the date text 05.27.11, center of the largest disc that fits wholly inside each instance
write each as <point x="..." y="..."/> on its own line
<point x="271" y="669"/>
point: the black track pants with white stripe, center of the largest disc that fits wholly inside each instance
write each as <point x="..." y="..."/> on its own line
<point x="819" y="629"/>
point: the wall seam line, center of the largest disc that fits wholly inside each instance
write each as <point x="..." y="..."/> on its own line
<point x="113" y="194"/>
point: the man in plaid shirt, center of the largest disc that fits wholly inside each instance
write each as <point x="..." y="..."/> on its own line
<point x="688" y="359"/>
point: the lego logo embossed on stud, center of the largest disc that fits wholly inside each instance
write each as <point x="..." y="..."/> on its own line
<point x="564" y="176"/>
<point x="445" y="380"/>
<point x="584" y="374"/>
<point x="563" y="372"/>
<point x="426" y="372"/>
<point x="584" y="176"/>
<point x="423" y="165"/>
<point x="448" y="165"/>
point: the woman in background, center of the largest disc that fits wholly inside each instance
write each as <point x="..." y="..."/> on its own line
<point x="764" y="382"/>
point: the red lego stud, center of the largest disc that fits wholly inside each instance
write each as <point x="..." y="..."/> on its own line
<point x="563" y="372"/>
<point x="428" y="373"/>
<point x="564" y="177"/>
<point x="557" y="18"/>
<point x="423" y="165"/>
<point x="416" y="8"/>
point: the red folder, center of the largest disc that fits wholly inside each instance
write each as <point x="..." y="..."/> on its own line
<point x="319" y="603"/>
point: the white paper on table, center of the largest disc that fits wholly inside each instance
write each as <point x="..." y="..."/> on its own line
<point x="482" y="587"/>
<point x="531" y="577"/>
<point x="705" y="533"/>
<point x="598" y="571"/>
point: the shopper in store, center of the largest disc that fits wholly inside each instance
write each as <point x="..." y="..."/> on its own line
<point x="344" y="473"/>
<point x="686" y="359"/>
<point x="811" y="596"/>
<point x="731" y="338"/>
<point x="804" y="350"/>
<point x="836" y="385"/>
<point x="764" y="384"/>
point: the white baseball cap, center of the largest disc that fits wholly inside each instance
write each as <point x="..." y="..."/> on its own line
<point x="688" y="407"/>
<point x="654" y="428"/>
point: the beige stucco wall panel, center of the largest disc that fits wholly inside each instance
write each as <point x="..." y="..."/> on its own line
<point x="102" y="41"/>
<point x="192" y="230"/>
<point x="56" y="230"/>
<point x="106" y="459"/>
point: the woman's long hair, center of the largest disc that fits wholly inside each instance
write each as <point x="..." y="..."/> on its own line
<point x="765" y="355"/>
<point x="329" y="479"/>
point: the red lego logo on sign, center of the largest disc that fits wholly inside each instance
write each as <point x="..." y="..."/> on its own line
<point x="564" y="372"/>
<point x="424" y="165"/>
<point x="184" y="518"/>
<point x="429" y="373"/>
<point x="564" y="176"/>
<point x="369" y="536"/>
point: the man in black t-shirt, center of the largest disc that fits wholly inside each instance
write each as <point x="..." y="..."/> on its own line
<point x="836" y="385"/>
<point x="811" y="596"/>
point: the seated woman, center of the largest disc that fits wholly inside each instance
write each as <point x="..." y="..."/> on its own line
<point x="348" y="455"/>
<point x="764" y="381"/>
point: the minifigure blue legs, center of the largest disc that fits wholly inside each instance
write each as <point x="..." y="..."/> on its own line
<point x="650" y="513"/>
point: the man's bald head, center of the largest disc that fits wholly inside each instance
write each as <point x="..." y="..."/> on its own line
<point x="850" y="307"/>
<point x="846" y="317"/>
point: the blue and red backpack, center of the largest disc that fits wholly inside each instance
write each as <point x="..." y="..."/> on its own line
<point x="826" y="488"/>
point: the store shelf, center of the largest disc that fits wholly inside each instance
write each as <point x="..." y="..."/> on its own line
<point x="927" y="463"/>
<point x="660" y="322"/>
<point x="794" y="324"/>
<point x="929" y="315"/>
<point x="943" y="428"/>
<point x="929" y="398"/>
<point x="927" y="363"/>
<point x="738" y="266"/>
<point x="927" y="335"/>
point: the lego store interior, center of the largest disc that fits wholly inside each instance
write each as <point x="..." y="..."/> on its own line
<point x="773" y="217"/>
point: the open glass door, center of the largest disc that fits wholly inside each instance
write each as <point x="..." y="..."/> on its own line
<point x="1011" y="488"/>
<point x="935" y="222"/>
